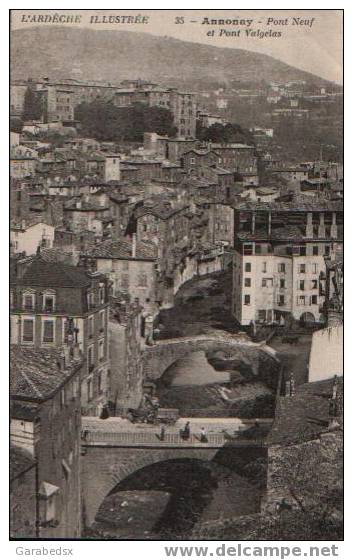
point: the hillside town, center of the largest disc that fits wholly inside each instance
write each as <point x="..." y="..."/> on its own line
<point x="176" y="289"/>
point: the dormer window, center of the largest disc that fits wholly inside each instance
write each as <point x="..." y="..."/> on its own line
<point x="48" y="302"/>
<point x="28" y="301"/>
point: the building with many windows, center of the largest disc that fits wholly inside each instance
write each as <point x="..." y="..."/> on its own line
<point x="279" y="258"/>
<point x="54" y="305"/>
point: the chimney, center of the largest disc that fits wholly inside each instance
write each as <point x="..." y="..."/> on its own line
<point x="133" y="248"/>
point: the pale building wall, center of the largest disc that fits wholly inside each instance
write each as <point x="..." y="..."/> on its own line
<point x="28" y="241"/>
<point x="326" y="356"/>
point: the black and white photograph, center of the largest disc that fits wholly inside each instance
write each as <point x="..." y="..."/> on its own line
<point x="176" y="276"/>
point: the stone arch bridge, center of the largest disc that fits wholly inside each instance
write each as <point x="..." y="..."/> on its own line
<point x="104" y="465"/>
<point x="158" y="358"/>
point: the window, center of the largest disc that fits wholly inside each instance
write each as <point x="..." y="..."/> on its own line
<point x="315" y="250"/>
<point x="314" y="284"/>
<point x="101" y="349"/>
<point x="282" y="283"/>
<point x="280" y="299"/>
<point x="89" y="389"/>
<point x="91" y="326"/>
<point x="247" y="299"/>
<point x="28" y="330"/>
<point x="267" y="282"/>
<point x="99" y="383"/>
<point x="301" y="269"/>
<point x="101" y="293"/>
<point x="264" y="267"/>
<point x="301" y="300"/>
<point x="281" y="267"/>
<point x="247" y="249"/>
<point x="313" y="300"/>
<point x="301" y="285"/>
<point x="258" y="249"/>
<point x="262" y="315"/>
<point x="48" y="331"/>
<point x="247" y="282"/>
<point x="49" y="303"/>
<point x="314" y="268"/>
<point x="101" y="320"/>
<point x="28" y="301"/>
<point x="327" y="250"/>
<point x="192" y="161"/>
<point x="90" y="358"/>
<point x="247" y="267"/>
<point x="302" y="251"/>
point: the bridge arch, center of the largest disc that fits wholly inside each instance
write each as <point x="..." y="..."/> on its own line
<point x="104" y="468"/>
<point x="158" y="358"/>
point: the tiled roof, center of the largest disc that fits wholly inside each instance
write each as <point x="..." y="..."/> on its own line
<point x="85" y="206"/>
<point x="35" y="374"/>
<point x="303" y="415"/>
<point x="53" y="275"/>
<point x="303" y="203"/>
<point x="162" y="210"/>
<point x="20" y="461"/>
<point x="122" y="249"/>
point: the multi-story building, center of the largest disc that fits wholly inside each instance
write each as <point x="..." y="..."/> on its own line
<point x="46" y="426"/>
<point x="57" y="104"/>
<point x="53" y="304"/>
<point x="182" y="105"/>
<point x="130" y="266"/>
<point x="237" y="157"/>
<point x="280" y="252"/>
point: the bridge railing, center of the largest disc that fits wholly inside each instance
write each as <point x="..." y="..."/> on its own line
<point x="174" y="439"/>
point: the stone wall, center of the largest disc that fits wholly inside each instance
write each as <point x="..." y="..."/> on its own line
<point x="326" y="356"/>
<point x="23" y="511"/>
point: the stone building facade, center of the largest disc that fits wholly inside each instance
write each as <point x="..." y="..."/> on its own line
<point x="46" y="423"/>
<point x="53" y="304"/>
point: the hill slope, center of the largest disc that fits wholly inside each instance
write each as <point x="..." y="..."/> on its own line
<point x="60" y="52"/>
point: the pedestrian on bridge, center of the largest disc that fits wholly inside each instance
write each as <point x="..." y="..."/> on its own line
<point x="186" y="432"/>
<point x="162" y="435"/>
<point x="203" y="437"/>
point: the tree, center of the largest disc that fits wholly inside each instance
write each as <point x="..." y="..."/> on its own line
<point x="220" y="133"/>
<point x="32" y="109"/>
<point x="105" y="121"/>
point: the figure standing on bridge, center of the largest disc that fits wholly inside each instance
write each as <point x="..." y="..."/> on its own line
<point x="162" y="435"/>
<point x="203" y="437"/>
<point x="185" y="433"/>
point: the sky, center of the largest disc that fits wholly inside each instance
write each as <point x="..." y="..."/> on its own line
<point x="314" y="45"/>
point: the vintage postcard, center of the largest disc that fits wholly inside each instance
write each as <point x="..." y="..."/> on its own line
<point x="176" y="286"/>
